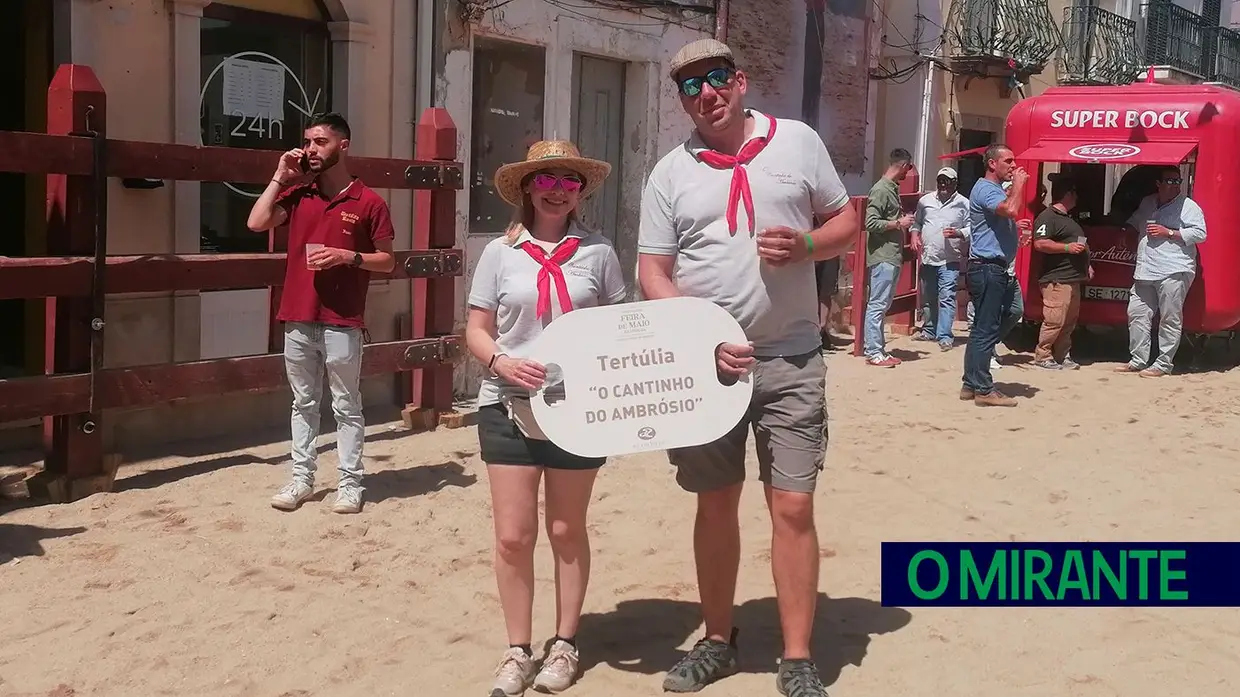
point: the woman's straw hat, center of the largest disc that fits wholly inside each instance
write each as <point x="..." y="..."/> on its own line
<point x="549" y="154"/>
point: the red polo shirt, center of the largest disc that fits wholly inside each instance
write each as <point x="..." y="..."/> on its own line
<point x="354" y="220"/>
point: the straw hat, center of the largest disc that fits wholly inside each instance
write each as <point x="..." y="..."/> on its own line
<point x="544" y="155"/>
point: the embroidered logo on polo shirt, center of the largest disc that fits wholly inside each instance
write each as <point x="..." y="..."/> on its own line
<point x="349" y="220"/>
<point x="785" y="178"/>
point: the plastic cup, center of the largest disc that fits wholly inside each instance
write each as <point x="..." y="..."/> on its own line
<point x="311" y="247"/>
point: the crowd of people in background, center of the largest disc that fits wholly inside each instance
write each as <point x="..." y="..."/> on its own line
<point x="976" y="238"/>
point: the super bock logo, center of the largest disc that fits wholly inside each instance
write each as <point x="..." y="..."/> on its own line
<point x="638" y="377"/>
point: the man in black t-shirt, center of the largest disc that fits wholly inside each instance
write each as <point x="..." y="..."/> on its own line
<point x="1065" y="269"/>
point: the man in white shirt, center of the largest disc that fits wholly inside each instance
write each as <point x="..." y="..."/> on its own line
<point x="729" y="216"/>
<point x="1169" y="226"/>
<point x="939" y="234"/>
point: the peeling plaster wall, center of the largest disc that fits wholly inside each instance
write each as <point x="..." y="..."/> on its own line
<point x="653" y="121"/>
<point x="768" y="38"/>
<point x="847" y="109"/>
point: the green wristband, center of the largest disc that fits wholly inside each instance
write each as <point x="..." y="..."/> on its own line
<point x="809" y="243"/>
<point x="1067" y="248"/>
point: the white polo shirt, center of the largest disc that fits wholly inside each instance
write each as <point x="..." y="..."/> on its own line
<point x="684" y="214"/>
<point x="506" y="282"/>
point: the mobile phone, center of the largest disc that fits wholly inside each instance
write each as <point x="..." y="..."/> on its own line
<point x="305" y="163"/>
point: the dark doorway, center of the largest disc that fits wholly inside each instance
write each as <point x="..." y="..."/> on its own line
<point x="25" y="46"/>
<point x="972" y="168"/>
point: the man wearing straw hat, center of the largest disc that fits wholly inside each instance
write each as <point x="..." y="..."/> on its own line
<point x="728" y="217"/>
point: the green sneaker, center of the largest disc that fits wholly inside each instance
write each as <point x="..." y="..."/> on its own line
<point x="799" y="678"/>
<point x="708" y="661"/>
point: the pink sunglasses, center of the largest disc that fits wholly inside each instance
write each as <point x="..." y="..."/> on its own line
<point x="569" y="182"/>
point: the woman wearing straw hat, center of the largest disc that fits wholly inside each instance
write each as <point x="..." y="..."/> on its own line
<point x="544" y="265"/>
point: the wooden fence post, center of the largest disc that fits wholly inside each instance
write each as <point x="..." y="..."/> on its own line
<point x="73" y="444"/>
<point x="434" y="299"/>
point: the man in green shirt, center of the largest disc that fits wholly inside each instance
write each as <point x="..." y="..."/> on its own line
<point x="885" y="226"/>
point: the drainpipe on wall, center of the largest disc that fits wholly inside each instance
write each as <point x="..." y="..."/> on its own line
<point x="721" y="20"/>
<point x="923" y="123"/>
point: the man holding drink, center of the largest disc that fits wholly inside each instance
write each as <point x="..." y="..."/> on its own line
<point x="1065" y="269"/>
<point x="939" y="234"/>
<point x="993" y="214"/>
<point x="1169" y="225"/>
<point x="729" y="217"/>
<point x="339" y="232"/>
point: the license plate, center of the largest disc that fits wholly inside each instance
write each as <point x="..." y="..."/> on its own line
<point x="1104" y="293"/>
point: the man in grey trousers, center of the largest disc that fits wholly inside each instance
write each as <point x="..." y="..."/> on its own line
<point x="1169" y="226"/>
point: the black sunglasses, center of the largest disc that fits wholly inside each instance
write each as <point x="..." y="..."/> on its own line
<point x="1173" y="181"/>
<point x="717" y="79"/>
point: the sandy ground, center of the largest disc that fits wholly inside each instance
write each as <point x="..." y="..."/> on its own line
<point x="185" y="582"/>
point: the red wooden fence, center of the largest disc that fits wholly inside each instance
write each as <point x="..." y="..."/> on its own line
<point x="77" y="275"/>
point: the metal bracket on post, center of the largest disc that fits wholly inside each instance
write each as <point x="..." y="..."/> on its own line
<point x="434" y="176"/>
<point x="99" y="178"/>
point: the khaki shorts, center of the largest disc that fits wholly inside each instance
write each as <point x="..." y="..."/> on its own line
<point x="788" y="415"/>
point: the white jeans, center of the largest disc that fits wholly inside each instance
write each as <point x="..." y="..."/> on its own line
<point x="308" y="349"/>
<point x="1166" y="298"/>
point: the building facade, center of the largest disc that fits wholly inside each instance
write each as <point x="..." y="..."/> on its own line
<point x="950" y="70"/>
<point x="247" y="74"/>
<point x="162" y="64"/>
<point x="596" y="73"/>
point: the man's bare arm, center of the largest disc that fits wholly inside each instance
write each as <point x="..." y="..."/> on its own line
<point x="837" y="235"/>
<point x="654" y="276"/>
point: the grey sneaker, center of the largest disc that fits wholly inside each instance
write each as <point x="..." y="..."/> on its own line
<point x="559" y="669"/>
<point x="348" y="499"/>
<point x="708" y="661"/>
<point x="292" y="495"/>
<point x="799" y="678"/>
<point x="1047" y="364"/>
<point x="514" y="674"/>
<point x="1069" y="364"/>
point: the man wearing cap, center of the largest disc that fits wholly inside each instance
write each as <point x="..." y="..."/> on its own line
<point x="728" y="217"/>
<point x="939" y="233"/>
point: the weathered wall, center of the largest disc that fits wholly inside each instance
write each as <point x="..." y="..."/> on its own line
<point x="145" y="55"/>
<point x="653" y="120"/>
<point x="769" y="38"/>
<point x="846" y="88"/>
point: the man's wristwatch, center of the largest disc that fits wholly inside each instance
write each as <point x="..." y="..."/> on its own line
<point x="357" y="258"/>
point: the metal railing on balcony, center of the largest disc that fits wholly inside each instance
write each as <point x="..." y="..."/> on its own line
<point x="1020" y="31"/>
<point x="1100" y="48"/>
<point x="1175" y="37"/>
<point x="1223" y="58"/>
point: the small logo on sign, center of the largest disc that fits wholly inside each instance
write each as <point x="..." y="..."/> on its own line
<point x="1104" y="151"/>
<point x="645" y="433"/>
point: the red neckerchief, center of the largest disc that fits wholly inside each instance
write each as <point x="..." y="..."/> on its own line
<point x="740" y="179"/>
<point x="551" y="269"/>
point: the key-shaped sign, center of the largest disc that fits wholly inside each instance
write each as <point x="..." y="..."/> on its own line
<point x="637" y="377"/>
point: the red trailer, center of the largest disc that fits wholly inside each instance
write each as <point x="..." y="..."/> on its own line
<point x="1114" y="140"/>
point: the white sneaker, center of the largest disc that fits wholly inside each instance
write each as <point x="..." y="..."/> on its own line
<point x="348" y="499"/>
<point x="559" y="670"/>
<point x="994" y="363"/>
<point x="514" y="675"/>
<point x="292" y="495"/>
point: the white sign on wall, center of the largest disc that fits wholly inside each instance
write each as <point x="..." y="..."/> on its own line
<point x="253" y="89"/>
<point x="638" y="377"/>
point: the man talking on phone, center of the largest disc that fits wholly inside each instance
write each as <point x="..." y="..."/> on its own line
<point x="993" y="214"/>
<point x="339" y="232"/>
